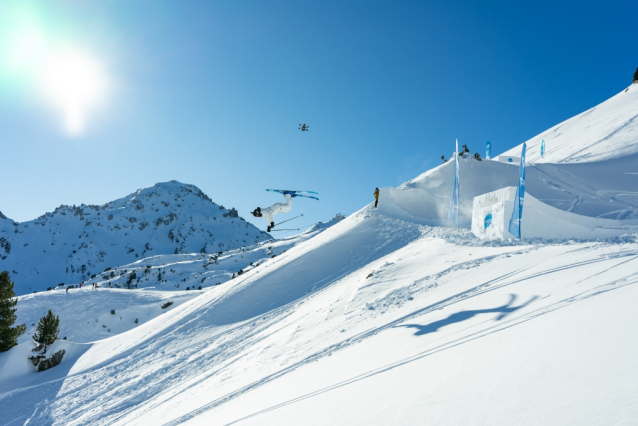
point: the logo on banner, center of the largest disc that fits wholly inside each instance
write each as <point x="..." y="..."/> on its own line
<point x="488" y="220"/>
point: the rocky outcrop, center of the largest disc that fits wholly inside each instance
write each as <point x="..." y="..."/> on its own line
<point x="231" y="213"/>
<point x="78" y="243"/>
<point x="43" y="363"/>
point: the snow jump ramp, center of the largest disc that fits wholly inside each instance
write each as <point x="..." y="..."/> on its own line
<point x="491" y="214"/>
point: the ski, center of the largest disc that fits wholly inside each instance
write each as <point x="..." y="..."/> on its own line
<point x="306" y="196"/>
<point x="281" y="191"/>
<point x="297" y="193"/>
<point x="273" y="230"/>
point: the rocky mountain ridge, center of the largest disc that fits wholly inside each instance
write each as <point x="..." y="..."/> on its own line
<point x="74" y="243"/>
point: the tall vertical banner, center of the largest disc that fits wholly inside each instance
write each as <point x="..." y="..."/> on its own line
<point x="488" y="150"/>
<point x="517" y="212"/>
<point x="453" y="212"/>
<point x="543" y="149"/>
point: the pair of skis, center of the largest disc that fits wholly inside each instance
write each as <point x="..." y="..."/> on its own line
<point x="297" y="193"/>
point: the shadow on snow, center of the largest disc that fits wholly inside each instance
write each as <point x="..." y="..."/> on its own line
<point x="466" y="315"/>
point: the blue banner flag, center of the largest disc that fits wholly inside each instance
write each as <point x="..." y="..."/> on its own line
<point x="488" y="150"/>
<point x="453" y="212"/>
<point x="517" y="212"/>
<point x="543" y="148"/>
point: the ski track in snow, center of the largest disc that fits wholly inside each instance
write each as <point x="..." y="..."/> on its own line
<point x="492" y="285"/>
<point x="224" y="347"/>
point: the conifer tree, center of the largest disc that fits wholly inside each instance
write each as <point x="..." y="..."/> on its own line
<point x="48" y="329"/>
<point x="8" y="301"/>
<point x="636" y="76"/>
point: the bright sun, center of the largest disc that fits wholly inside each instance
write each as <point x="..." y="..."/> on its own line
<point x="74" y="82"/>
<point x="41" y="62"/>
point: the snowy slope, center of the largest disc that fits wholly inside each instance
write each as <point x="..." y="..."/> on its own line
<point x="85" y="313"/>
<point x="606" y="131"/>
<point x="380" y="319"/>
<point x="590" y="168"/>
<point x="71" y="244"/>
<point x="375" y="321"/>
<point x="190" y="271"/>
<point x="605" y="189"/>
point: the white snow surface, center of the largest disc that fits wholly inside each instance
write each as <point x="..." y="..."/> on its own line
<point x="605" y="189"/>
<point x="590" y="168"/>
<point x="385" y="318"/>
<point x="86" y="312"/>
<point x="604" y="132"/>
<point x="374" y="321"/>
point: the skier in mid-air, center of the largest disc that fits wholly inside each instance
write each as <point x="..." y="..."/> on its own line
<point x="268" y="212"/>
<point x="376" y="197"/>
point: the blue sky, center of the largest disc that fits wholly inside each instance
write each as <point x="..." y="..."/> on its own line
<point x="211" y="93"/>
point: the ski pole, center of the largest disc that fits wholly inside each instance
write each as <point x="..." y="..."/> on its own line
<point x="274" y="230"/>
<point x="288" y="219"/>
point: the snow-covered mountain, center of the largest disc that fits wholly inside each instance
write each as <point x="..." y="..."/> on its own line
<point x="86" y="313"/>
<point x="606" y="131"/>
<point x="74" y="243"/>
<point x="382" y="318"/>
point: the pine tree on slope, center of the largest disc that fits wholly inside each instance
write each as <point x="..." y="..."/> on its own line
<point x="8" y="301"/>
<point x="48" y="329"/>
<point x="636" y="76"/>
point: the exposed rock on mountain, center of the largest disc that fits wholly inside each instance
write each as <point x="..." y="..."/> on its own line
<point x="74" y="243"/>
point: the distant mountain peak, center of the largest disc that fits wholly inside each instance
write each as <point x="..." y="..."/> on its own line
<point x="72" y="243"/>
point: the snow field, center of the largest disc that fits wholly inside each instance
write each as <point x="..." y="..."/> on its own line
<point x="380" y="319"/>
<point x="481" y="342"/>
<point x="410" y="326"/>
<point x="606" y="131"/>
<point x="181" y="271"/>
<point x="85" y="314"/>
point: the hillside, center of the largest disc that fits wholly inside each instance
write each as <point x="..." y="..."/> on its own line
<point x="387" y="317"/>
<point x="73" y="243"/>
<point x="85" y="313"/>
<point x="606" y="131"/>
<point x="372" y="322"/>
<point x="604" y="189"/>
<point x="590" y="168"/>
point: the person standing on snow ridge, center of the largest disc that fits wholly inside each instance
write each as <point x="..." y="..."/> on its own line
<point x="268" y="212"/>
<point x="376" y="197"/>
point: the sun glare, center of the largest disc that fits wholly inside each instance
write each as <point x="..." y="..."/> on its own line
<point x="27" y="47"/>
<point x="74" y="82"/>
<point x="37" y="59"/>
